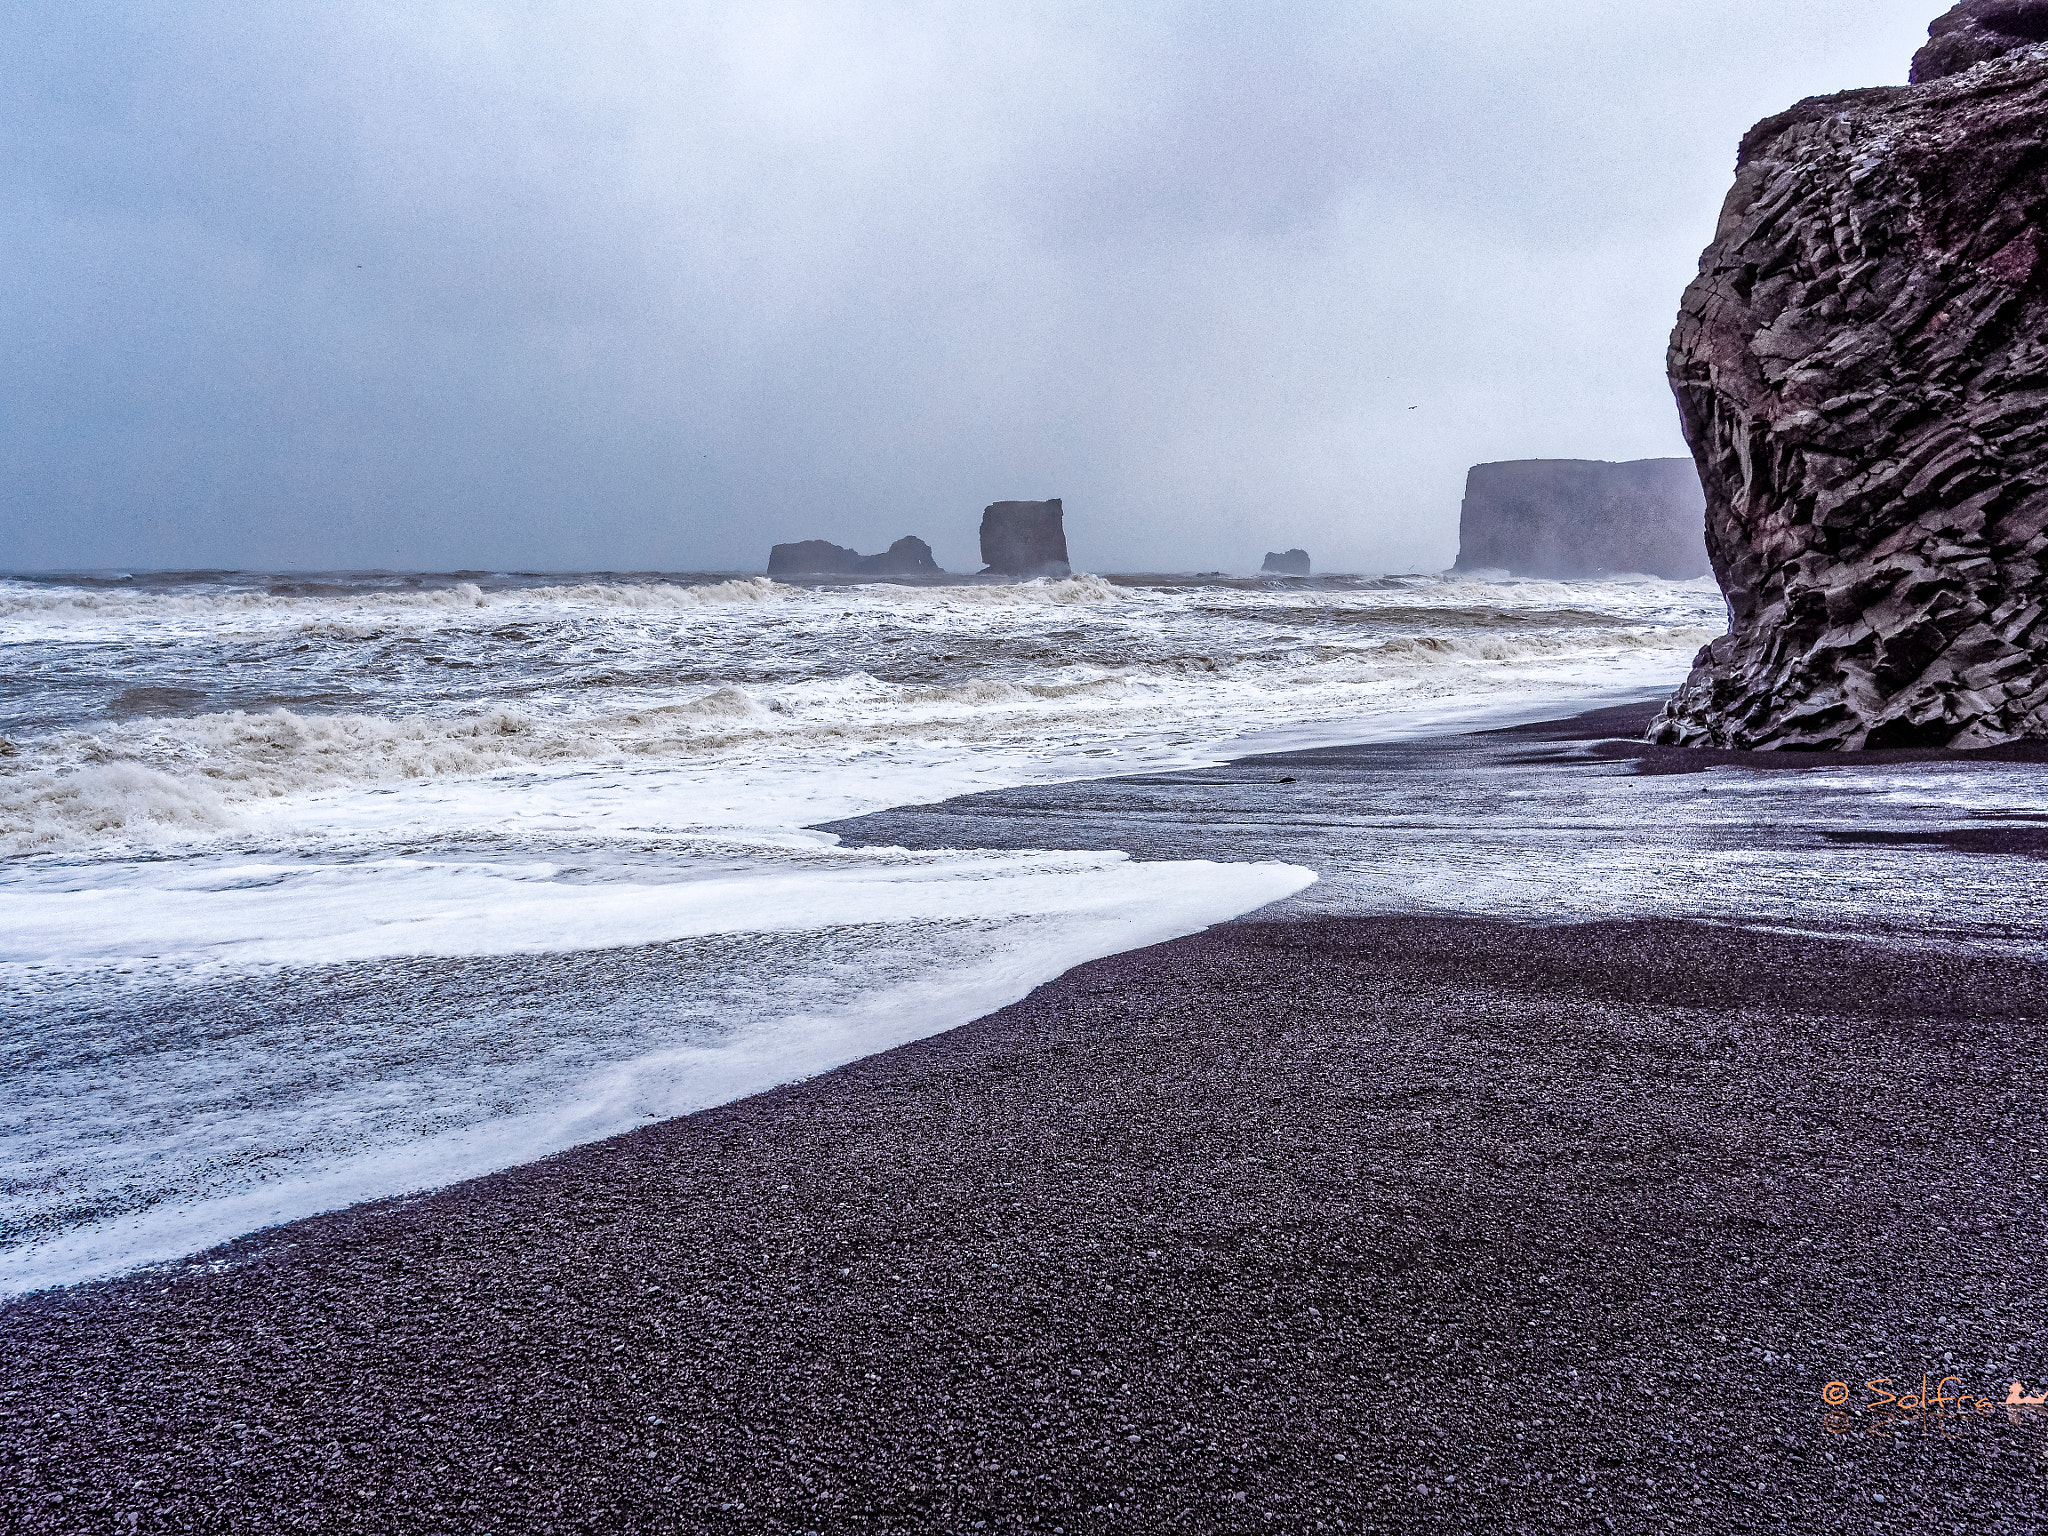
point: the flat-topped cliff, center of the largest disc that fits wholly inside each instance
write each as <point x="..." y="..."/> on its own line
<point x="1581" y="517"/>
<point x="1025" y="538"/>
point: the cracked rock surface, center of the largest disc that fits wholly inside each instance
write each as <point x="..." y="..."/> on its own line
<point x="1862" y="372"/>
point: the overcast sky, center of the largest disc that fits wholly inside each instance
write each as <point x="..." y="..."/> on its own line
<point x="604" y="284"/>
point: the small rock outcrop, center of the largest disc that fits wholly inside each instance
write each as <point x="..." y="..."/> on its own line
<point x="1024" y="538"/>
<point x="818" y="557"/>
<point x="1977" y="32"/>
<point x="1565" y="518"/>
<point x="1286" y="562"/>
<point x="1862" y="373"/>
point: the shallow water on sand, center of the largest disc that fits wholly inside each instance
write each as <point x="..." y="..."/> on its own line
<point x="326" y="887"/>
<point x="1578" y="821"/>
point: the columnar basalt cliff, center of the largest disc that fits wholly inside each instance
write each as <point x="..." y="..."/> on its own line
<point x="1582" y="517"/>
<point x="820" y="557"/>
<point x="1024" y="538"/>
<point x="1862" y="373"/>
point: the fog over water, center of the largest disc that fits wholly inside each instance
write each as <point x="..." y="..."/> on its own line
<point x="645" y="286"/>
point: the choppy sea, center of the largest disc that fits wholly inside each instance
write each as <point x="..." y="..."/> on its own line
<point x="319" y="888"/>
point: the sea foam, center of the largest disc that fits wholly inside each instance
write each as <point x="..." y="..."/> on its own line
<point x="329" y="888"/>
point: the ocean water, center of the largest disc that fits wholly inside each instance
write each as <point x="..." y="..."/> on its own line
<point x="323" y="888"/>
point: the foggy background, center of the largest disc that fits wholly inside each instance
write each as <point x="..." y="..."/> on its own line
<point x="618" y="285"/>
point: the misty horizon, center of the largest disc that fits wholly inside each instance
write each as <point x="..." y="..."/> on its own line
<point x="615" y="288"/>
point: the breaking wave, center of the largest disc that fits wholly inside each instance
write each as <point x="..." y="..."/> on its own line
<point x="559" y="827"/>
<point x="1027" y="594"/>
<point x="23" y="601"/>
<point x="186" y="776"/>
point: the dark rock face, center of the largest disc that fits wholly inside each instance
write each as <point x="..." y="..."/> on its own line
<point x="908" y="556"/>
<point x="1288" y="562"/>
<point x="809" y="557"/>
<point x="1024" y="538"/>
<point x="1976" y="32"/>
<point x="1862" y="373"/>
<point x="1580" y="517"/>
<point x="817" y="557"/>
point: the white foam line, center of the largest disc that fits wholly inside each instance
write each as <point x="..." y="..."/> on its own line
<point x="1138" y="905"/>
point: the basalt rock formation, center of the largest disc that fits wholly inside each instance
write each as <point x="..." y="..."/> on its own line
<point x="1287" y="562"/>
<point x="1024" y="538"/>
<point x="1565" y="518"/>
<point x="817" y="557"/>
<point x="1862" y="373"/>
<point x="1977" y="32"/>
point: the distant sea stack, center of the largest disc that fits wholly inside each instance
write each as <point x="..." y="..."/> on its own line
<point x="817" y="557"/>
<point x="1862" y="372"/>
<point x="1024" y="538"/>
<point x="1287" y="562"/>
<point x="1580" y="517"/>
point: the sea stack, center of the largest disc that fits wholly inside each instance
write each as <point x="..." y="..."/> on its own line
<point x="819" y="557"/>
<point x="1286" y="562"/>
<point x="1565" y="518"/>
<point x="1024" y="538"/>
<point x="1862" y="373"/>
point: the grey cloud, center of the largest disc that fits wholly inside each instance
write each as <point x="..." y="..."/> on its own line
<point x="643" y="285"/>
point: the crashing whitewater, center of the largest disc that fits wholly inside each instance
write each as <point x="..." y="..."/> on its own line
<point x="326" y="888"/>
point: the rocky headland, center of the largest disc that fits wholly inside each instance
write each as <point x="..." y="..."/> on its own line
<point x="1566" y="518"/>
<point x="1024" y="538"/>
<point x="1862" y="373"/>
<point x="819" y="557"/>
<point x="1285" y="562"/>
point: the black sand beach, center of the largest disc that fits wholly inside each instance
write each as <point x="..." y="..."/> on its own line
<point x="1310" y="1222"/>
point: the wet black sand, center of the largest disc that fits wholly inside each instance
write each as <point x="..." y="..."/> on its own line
<point x="1342" y="1223"/>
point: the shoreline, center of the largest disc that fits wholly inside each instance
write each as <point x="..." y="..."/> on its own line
<point x="662" y="1015"/>
<point x="1316" y="1219"/>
